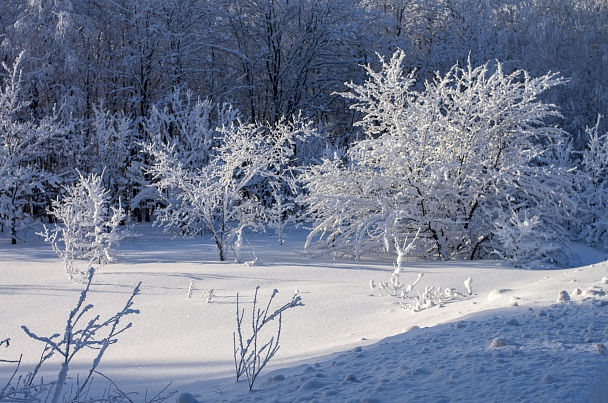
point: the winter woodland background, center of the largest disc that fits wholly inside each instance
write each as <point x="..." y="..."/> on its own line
<point x="472" y="126"/>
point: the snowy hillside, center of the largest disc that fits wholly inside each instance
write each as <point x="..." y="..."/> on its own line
<point x="509" y="341"/>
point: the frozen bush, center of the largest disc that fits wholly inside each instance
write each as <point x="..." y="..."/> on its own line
<point x="522" y="240"/>
<point x="88" y="226"/>
<point x="451" y="159"/>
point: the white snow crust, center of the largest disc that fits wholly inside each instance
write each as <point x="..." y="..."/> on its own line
<point x="510" y="341"/>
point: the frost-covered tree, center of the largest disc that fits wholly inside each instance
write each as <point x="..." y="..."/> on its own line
<point x="281" y="186"/>
<point x="88" y="226"/>
<point x="226" y="195"/>
<point x="25" y="152"/>
<point x="594" y="187"/>
<point x="110" y="146"/>
<point x="278" y="57"/>
<point x="453" y="160"/>
<point x="57" y="36"/>
<point x="211" y="198"/>
<point x="187" y="124"/>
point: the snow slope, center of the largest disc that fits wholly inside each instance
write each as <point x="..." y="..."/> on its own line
<point x="510" y="341"/>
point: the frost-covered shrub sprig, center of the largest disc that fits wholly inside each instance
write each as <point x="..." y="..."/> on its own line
<point x="432" y="297"/>
<point x="88" y="226"/>
<point x="96" y="334"/>
<point x="521" y="241"/>
<point x="418" y="300"/>
<point x="191" y="288"/>
<point x="84" y="330"/>
<point x="394" y="287"/>
<point x="251" y="354"/>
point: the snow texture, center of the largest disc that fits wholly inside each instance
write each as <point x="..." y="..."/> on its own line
<point x="509" y="341"/>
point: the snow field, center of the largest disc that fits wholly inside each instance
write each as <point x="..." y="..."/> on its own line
<point x="510" y="341"/>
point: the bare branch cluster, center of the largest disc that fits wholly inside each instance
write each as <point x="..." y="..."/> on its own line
<point x="252" y="354"/>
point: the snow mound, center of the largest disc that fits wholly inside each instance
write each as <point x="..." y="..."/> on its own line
<point x="540" y="359"/>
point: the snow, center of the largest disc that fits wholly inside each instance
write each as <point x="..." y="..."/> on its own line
<point x="510" y="341"/>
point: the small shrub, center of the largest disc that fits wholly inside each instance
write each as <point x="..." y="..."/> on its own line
<point x="83" y="330"/>
<point x="252" y="354"/>
<point x="88" y="226"/>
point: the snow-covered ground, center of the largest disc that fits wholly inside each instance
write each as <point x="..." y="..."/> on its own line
<point x="510" y="341"/>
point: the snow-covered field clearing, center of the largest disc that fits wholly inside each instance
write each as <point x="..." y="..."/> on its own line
<point x="510" y="341"/>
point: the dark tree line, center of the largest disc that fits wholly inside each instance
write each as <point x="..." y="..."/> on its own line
<point x="271" y="58"/>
